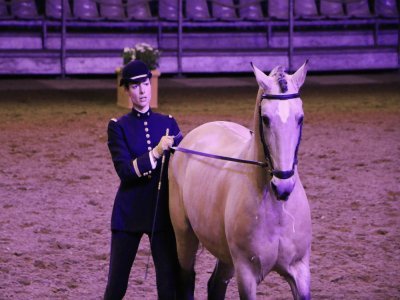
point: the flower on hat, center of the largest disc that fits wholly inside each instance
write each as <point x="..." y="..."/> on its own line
<point x="144" y="52"/>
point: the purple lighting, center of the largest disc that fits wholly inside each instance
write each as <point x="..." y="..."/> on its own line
<point x="87" y="37"/>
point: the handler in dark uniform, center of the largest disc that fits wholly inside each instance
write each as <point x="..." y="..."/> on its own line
<point x="136" y="142"/>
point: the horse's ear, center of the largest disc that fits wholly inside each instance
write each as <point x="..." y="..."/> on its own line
<point x="300" y="76"/>
<point x="263" y="80"/>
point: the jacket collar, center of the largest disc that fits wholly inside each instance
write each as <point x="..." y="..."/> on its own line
<point x="139" y="115"/>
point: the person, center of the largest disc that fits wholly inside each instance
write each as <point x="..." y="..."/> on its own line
<point x="137" y="142"/>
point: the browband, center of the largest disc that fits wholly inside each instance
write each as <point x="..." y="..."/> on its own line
<point x="280" y="97"/>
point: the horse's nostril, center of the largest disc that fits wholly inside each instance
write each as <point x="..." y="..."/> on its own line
<point x="284" y="196"/>
<point x="280" y="195"/>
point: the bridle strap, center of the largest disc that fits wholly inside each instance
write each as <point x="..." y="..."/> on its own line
<point x="238" y="160"/>
<point x="277" y="173"/>
<point x="283" y="174"/>
<point x="265" y="146"/>
<point x="280" y="97"/>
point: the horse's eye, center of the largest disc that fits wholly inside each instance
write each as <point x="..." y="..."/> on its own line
<point x="266" y="121"/>
<point x="300" y="121"/>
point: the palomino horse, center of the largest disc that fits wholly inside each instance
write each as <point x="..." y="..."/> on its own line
<point x="252" y="219"/>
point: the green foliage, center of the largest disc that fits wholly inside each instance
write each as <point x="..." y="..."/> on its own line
<point x="144" y="52"/>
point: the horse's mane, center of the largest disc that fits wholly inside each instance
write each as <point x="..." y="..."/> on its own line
<point x="279" y="73"/>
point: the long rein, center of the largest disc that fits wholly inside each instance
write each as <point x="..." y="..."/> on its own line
<point x="238" y="160"/>
<point x="268" y="163"/>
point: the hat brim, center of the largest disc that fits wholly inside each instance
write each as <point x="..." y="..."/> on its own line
<point x="135" y="81"/>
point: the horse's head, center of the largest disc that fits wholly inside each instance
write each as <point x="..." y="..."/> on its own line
<point x="280" y="122"/>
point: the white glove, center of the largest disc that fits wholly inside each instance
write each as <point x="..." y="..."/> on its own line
<point x="165" y="143"/>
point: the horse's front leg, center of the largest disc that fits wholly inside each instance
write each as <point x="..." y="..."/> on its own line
<point x="219" y="280"/>
<point x="298" y="277"/>
<point x="246" y="281"/>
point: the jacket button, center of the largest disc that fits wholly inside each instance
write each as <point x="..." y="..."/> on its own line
<point x="147" y="135"/>
<point x="146" y="129"/>
<point x="145" y="123"/>
<point x="148" y="142"/>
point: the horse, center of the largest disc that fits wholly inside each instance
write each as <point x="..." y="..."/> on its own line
<point x="253" y="219"/>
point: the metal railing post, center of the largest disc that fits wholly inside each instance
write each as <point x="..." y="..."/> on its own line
<point x="44" y="33"/>
<point x="180" y="31"/>
<point x="291" y="25"/>
<point x="398" y="43"/>
<point x="63" y="38"/>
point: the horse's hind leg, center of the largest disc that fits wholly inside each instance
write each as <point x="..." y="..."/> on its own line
<point x="186" y="241"/>
<point x="219" y="280"/>
<point x="187" y="244"/>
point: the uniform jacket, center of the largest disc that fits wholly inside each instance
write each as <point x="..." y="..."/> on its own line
<point x="130" y="139"/>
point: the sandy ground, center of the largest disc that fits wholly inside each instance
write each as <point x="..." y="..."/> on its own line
<point x="57" y="184"/>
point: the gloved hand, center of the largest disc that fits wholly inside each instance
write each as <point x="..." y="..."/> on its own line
<point x="165" y="143"/>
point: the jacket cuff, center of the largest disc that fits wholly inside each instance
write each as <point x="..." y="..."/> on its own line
<point x="144" y="163"/>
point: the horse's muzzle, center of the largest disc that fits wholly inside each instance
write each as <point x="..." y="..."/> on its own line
<point x="282" y="187"/>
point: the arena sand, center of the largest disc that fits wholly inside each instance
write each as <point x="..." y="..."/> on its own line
<point x="57" y="184"/>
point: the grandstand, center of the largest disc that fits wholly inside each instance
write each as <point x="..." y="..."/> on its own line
<point x="69" y="37"/>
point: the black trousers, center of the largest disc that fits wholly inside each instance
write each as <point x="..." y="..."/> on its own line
<point x="124" y="246"/>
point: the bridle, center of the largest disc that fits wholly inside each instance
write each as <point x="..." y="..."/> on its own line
<point x="268" y="164"/>
<point x="278" y="173"/>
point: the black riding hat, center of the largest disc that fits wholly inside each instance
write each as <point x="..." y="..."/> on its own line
<point x="135" y="72"/>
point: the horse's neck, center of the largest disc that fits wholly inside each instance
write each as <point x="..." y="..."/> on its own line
<point x="255" y="150"/>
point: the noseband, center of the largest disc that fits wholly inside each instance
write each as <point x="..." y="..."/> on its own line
<point x="278" y="173"/>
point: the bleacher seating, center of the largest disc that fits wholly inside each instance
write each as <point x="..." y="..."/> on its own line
<point x="112" y="10"/>
<point x="201" y="10"/>
<point x="54" y="9"/>
<point x="306" y="9"/>
<point x="358" y="9"/>
<point x="197" y="10"/>
<point x="386" y="8"/>
<point x="212" y="26"/>
<point x="24" y="9"/>
<point x="4" y="14"/>
<point x="168" y="10"/>
<point x="224" y="10"/>
<point x="250" y="10"/>
<point x="139" y="10"/>
<point x="278" y="9"/>
<point x="86" y="10"/>
<point x="332" y="10"/>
